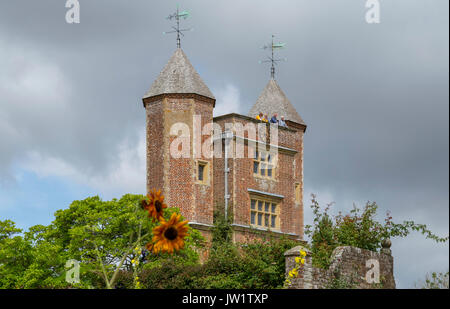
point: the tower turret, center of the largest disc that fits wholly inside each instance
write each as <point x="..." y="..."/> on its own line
<point x="177" y="104"/>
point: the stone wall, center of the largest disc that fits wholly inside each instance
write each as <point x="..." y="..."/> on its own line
<point x="350" y="268"/>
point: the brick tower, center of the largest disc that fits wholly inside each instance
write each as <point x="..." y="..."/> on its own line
<point x="273" y="100"/>
<point x="177" y="106"/>
<point x="264" y="192"/>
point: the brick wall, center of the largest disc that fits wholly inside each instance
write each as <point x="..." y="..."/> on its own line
<point x="155" y="145"/>
<point x="289" y="171"/>
<point x="176" y="177"/>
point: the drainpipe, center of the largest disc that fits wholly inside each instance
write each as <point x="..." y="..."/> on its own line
<point x="228" y="135"/>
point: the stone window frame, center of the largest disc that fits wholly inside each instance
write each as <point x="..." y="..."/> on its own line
<point x="206" y="167"/>
<point x="272" y="162"/>
<point x="297" y="193"/>
<point x="265" y="213"/>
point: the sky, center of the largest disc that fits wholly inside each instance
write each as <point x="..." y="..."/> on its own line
<point x="375" y="98"/>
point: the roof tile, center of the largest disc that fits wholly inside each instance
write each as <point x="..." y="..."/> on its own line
<point x="273" y="100"/>
<point x="179" y="76"/>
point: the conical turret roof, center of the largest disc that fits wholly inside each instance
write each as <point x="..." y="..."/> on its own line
<point x="273" y="100"/>
<point x="179" y="76"/>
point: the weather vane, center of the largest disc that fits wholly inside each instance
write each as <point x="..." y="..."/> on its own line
<point x="177" y="16"/>
<point x="273" y="46"/>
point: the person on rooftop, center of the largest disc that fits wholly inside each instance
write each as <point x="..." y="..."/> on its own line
<point x="282" y="122"/>
<point x="266" y="118"/>
<point x="260" y="117"/>
<point x="274" y="119"/>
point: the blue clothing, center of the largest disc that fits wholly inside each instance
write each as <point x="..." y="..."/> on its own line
<point x="281" y="123"/>
<point x="274" y="120"/>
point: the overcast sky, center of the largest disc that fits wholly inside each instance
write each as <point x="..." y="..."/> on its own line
<point x="375" y="98"/>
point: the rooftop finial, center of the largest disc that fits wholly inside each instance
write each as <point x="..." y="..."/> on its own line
<point x="176" y="29"/>
<point x="273" y="46"/>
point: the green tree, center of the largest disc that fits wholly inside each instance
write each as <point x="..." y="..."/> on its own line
<point x="102" y="235"/>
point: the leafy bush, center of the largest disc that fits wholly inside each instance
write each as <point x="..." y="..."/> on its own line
<point x="358" y="229"/>
<point x="259" y="265"/>
<point x="434" y="281"/>
<point x="221" y="231"/>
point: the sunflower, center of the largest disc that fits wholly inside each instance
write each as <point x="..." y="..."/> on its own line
<point x="149" y="247"/>
<point x="155" y="205"/>
<point x="169" y="235"/>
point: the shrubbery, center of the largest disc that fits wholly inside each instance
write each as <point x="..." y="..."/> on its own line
<point x="229" y="266"/>
<point x="435" y="280"/>
<point x="92" y="230"/>
<point x="359" y="229"/>
<point x="258" y="265"/>
<point x="105" y="234"/>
